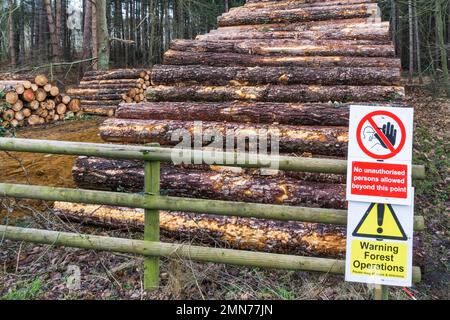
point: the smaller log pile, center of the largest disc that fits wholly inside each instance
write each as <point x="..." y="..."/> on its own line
<point x="137" y="94"/>
<point x="34" y="102"/>
<point x="100" y="92"/>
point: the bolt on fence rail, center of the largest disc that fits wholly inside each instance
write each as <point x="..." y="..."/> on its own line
<point x="151" y="201"/>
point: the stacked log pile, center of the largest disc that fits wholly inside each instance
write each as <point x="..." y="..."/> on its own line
<point x="34" y="102"/>
<point x="100" y="92"/>
<point x="293" y="66"/>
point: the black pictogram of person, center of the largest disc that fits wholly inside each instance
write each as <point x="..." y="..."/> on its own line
<point x="388" y="130"/>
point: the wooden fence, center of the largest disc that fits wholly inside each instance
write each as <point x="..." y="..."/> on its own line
<point x="151" y="201"/>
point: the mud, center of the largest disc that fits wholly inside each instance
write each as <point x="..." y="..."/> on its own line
<point x="45" y="169"/>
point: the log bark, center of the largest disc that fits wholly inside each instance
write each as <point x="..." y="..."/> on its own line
<point x="239" y="233"/>
<point x="276" y="93"/>
<point x="95" y="92"/>
<point x="112" y="74"/>
<point x="237" y="59"/>
<point x="287" y="47"/>
<point x="285" y="5"/>
<point x="298" y="15"/>
<point x="375" y="36"/>
<point x="99" y="110"/>
<point x="326" y="114"/>
<point x="101" y="103"/>
<point x="128" y="176"/>
<point x="325" y="25"/>
<point x="222" y="76"/>
<point x="316" y="140"/>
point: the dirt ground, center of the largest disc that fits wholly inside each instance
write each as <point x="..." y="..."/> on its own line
<point x="29" y="271"/>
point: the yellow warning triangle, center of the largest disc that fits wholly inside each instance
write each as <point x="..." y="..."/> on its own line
<point x="380" y="222"/>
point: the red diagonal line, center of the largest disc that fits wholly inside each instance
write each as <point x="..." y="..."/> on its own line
<point x="381" y="134"/>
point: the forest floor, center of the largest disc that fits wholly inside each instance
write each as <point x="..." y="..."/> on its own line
<point x="30" y="271"/>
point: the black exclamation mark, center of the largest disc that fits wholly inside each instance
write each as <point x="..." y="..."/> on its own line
<point x="380" y="211"/>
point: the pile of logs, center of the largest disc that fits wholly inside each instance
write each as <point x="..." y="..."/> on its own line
<point x="35" y="102"/>
<point x="294" y="66"/>
<point x="100" y="92"/>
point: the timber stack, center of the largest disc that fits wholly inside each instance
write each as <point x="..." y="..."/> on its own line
<point x="34" y="102"/>
<point x="100" y="92"/>
<point x="293" y="66"/>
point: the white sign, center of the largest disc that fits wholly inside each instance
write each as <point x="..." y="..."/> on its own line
<point x="381" y="133"/>
<point x="379" y="244"/>
<point x="380" y="155"/>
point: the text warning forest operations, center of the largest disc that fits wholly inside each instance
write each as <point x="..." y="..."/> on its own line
<point x="380" y="155"/>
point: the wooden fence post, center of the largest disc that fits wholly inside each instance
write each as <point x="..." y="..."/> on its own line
<point x="151" y="225"/>
<point x="381" y="292"/>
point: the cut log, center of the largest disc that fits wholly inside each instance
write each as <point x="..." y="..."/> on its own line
<point x="112" y="74"/>
<point x="34" y="105"/>
<point x="99" y="110"/>
<point x="93" y="92"/>
<point x="26" y="112"/>
<point x="170" y="75"/>
<point x="299" y="15"/>
<point x="27" y="84"/>
<point x="65" y="99"/>
<point x="316" y="140"/>
<point x="287" y="47"/>
<point x="61" y="109"/>
<point x="28" y="95"/>
<point x="128" y="176"/>
<point x="74" y="105"/>
<point x="276" y="93"/>
<point x="112" y="103"/>
<point x="34" y="87"/>
<point x="41" y="95"/>
<point x="20" y="89"/>
<point x="11" y="97"/>
<point x="41" y="80"/>
<point x="239" y="233"/>
<point x="99" y="96"/>
<point x="54" y="91"/>
<point x="17" y="106"/>
<point x="285" y="5"/>
<point x="47" y="87"/>
<point x="248" y="60"/>
<point x="8" y="115"/>
<point x="19" y="116"/>
<point x="326" y="114"/>
<point x="326" y="25"/>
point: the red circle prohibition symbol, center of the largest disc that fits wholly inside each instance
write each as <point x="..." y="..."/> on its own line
<point x="369" y="118"/>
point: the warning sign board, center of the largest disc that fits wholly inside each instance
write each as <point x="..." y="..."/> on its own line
<point x="380" y="155"/>
<point x="381" y="133"/>
<point x="373" y="181"/>
<point x="379" y="244"/>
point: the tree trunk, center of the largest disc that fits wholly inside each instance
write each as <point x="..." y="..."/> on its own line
<point x="170" y="75"/>
<point x="277" y="93"/>
<point x="316" y="140"/>
<point x="52" y="29"/>
<point x="239" y="233"/>
<point x="12" y="38"/>
<point x="227" y="59"/>
<point x="94" y="33"/>
<point x="128" y="176"/>
<point x="87" y="31"/>
<point x="439" y="18"/>
<point x="103" y="36"/>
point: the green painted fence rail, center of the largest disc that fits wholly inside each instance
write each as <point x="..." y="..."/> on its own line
<point x="149" y="153"/>
<point x="157" y="202"/>
<point x="151" y="202"/>
<point x="189" y="252"/>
